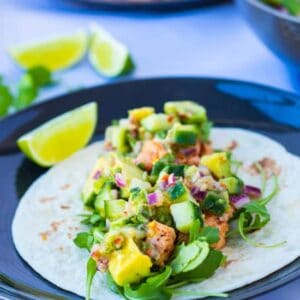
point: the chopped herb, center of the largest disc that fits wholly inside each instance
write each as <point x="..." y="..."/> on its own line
<point x="91" y="269"/>
<point x="84" y="240"/>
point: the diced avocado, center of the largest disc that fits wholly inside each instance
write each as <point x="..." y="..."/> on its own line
<point x="184" y="214"/>
<point x="115" y="209"/>
<point x="188" y="112"/>
<point x="179" y="193"/>
<point x="141" y="113"/>
<point x="218" y="163"/>
<point x="138" y="183"/>
<point x="96" y="179"/>
<point x="215" y="203"/>
<point x="138" y="200"/>
<point x="233" y="184"/>
<point x="105" y="194"/>
<point x="128" y="168"/>
<point x="124" y="193"/>
<point x="117" y="135"/>
<point x="183" y="134"/>
<point x="157" y="122"/>
<point x="129" y="265"/>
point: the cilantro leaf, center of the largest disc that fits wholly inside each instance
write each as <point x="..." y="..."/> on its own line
<point x="40" y="75"/>
<point x="84" y="240"/>
<point x="91" y="269"/>
<point x="153" y="288"/>
<point x="210" y="234"/>
<point x="27" y="92"/>
<point x="6" y="99"/>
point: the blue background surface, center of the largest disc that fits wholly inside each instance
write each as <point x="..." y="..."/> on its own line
<point x="211" y="41"/>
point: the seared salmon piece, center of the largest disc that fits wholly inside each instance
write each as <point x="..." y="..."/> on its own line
<point x="214" y="221"/>
<point x="160" y="240"/>
<point x="150" y="153"/>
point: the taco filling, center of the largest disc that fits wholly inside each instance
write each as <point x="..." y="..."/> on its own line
<point x="161" y="203"/>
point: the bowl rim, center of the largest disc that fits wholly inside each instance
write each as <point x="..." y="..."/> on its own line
<point x="260" y="5"/>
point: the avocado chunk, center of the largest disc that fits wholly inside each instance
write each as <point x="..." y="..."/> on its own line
<point x="117" y="135"/>
<point x="105" y="194"/>
<point x="184" y="214"/>
<point x="141" y="113"/>
<point x="187" y="111"/>
<point x="128" y="169"/>
<point x="114" y="209"/>
<point x="157" y="122"/>
<point x="218" y="163"/>
<point x="234" y="185"/>
<point x="129" y="265"/>
<point x="183" y="134"/>
<point x="215" y="203"/>
<point x="96" y="179"/>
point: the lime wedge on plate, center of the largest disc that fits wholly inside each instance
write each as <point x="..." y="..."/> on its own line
<point x="60" y="137"/>
<point x="55" y="54"/>
<point x="107" y="55"/>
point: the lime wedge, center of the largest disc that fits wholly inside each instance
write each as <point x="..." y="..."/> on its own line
<point x="107" y="55"/>
<point x="60" y="137"/>
<point x="55" y="54"/>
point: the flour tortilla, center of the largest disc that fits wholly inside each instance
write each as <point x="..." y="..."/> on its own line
<point x="47" y="220"/>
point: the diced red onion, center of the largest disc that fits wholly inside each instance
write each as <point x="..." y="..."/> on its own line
<point x="239" y="201"/>
<point x="198" y="194"/>
<point x="97" y="174"/>
<point x="163" y="185"/>
<point x="188" y="151"/>
<point x="152" y="198"/>
<point x="171" y="179"/>
<point x="252" y="191"/>
<point x="120" y="181"/>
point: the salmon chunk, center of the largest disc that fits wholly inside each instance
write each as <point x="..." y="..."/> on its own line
<point x="160" y="240"/>
<point x="150" y="153"/>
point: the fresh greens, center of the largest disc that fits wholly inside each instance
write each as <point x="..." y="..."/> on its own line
<point x="6" y="99"/>
<point x="26" y="90"/>
<point x="84" y="240"/>
<point x="160" y="208"/>
<point x="91" y="269"/>
<point x="153" y="288"/>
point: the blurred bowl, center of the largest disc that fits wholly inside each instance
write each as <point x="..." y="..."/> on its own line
<point x="279" y="31"/>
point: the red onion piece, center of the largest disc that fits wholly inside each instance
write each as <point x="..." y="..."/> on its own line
<point x="97" y="174"/>
<point x="252" y="191"/>
<point x="171" y="180"/>
<point x="198" y="194"/>
<point x="188" y="151"/>
<point x="238" y="201"/>
<point x="152" y="198"/>
<point x="120" y="181"/>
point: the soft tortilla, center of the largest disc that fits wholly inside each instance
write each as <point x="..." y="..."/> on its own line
<point x="47" y="220"/>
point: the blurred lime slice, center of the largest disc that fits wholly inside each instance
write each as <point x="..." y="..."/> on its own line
<point x="107" y="55"/>
<point x="55" y="54"/>
<point x="60" y="137"/>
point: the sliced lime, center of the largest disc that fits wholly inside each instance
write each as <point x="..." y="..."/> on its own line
<point x="107" y="55"/>
<point x="55" y="54"/>
<point x="60" y="137"/>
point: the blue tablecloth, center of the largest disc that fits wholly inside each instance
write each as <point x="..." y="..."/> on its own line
<point x="212" y="41"/>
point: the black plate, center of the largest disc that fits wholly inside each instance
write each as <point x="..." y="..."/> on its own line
<point x="229" y="103"/>
<point x="156" y="5"/>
